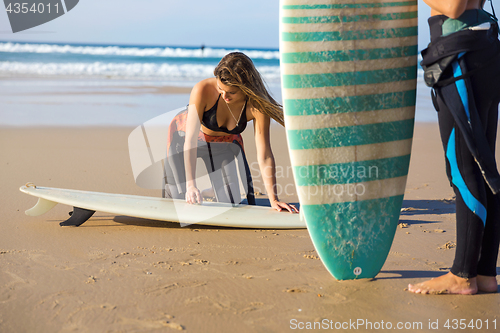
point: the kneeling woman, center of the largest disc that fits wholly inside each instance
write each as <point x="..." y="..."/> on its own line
<point x="219" y="109"/>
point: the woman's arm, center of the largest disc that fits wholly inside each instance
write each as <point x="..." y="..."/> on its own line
<point x="195" y="113"/>
<point x="266" y="161"/>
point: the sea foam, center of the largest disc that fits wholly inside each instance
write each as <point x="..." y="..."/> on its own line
<point x="146" y="51"/>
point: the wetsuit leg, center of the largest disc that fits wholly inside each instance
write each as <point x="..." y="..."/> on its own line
<point x="488" y="98"/>
<point x="170" y="188"/>
<point x="486" y="86"/>
<point x="244" y="169"/>
<point x="470" y="191"/>
<point x="476" y="209"/>
<point x="226" y="181"/>
<point x="489" y="248"/>
<point x="220" y="161"/>
<point x="175" y="186"/>
<point x="230" y="173"/>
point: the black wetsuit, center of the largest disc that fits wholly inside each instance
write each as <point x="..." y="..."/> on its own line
<point x="218" y="157"/>
<point x="466" y="96"/>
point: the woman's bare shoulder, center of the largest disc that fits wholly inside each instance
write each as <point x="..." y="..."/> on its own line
<point x="252" y="111"/>
<point x="204" y="86"/>
<point x="260" y="119"/>
<point x="203" y="93"/>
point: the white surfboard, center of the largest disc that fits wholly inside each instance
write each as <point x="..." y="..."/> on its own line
<point x="85" y="203"/>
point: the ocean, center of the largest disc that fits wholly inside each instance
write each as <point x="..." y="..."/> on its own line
<point x="59" y="84"/>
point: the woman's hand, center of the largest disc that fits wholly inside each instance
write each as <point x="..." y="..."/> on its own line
<point x="279" y="206"/>
<point x="193" y="195"/>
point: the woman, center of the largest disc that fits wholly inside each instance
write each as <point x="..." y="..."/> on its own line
<point x="219" y="109"/>
<point x="462" y="64"/>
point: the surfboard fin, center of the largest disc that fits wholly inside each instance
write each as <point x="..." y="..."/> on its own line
<point x="42" y="206"/>
<point x="78" y="217"/>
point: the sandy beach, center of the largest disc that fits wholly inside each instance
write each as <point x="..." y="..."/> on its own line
<point x="122" y="274"/>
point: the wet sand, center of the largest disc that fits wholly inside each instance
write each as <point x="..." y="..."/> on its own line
<point x="123" y="274"/>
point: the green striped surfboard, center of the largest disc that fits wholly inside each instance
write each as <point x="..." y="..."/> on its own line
<point x="348" y="71"/>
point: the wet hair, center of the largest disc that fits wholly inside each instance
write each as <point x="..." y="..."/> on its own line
<point x="237" y="70"/>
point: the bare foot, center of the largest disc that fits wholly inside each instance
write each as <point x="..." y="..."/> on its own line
<point x="446" y="284"/>
<point x="487" y="284"/>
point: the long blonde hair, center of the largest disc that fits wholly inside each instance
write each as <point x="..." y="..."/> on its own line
<point x="237" y="70"/>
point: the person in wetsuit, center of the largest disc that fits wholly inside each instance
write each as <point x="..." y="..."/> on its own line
<point x="218" y="111"/>
<point x="462" y="64"/>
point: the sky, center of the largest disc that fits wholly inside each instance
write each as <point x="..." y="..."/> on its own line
<point x="223" y="23"/>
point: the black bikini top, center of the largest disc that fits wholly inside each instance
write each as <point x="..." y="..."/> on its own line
<point x="209" y="120"/>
